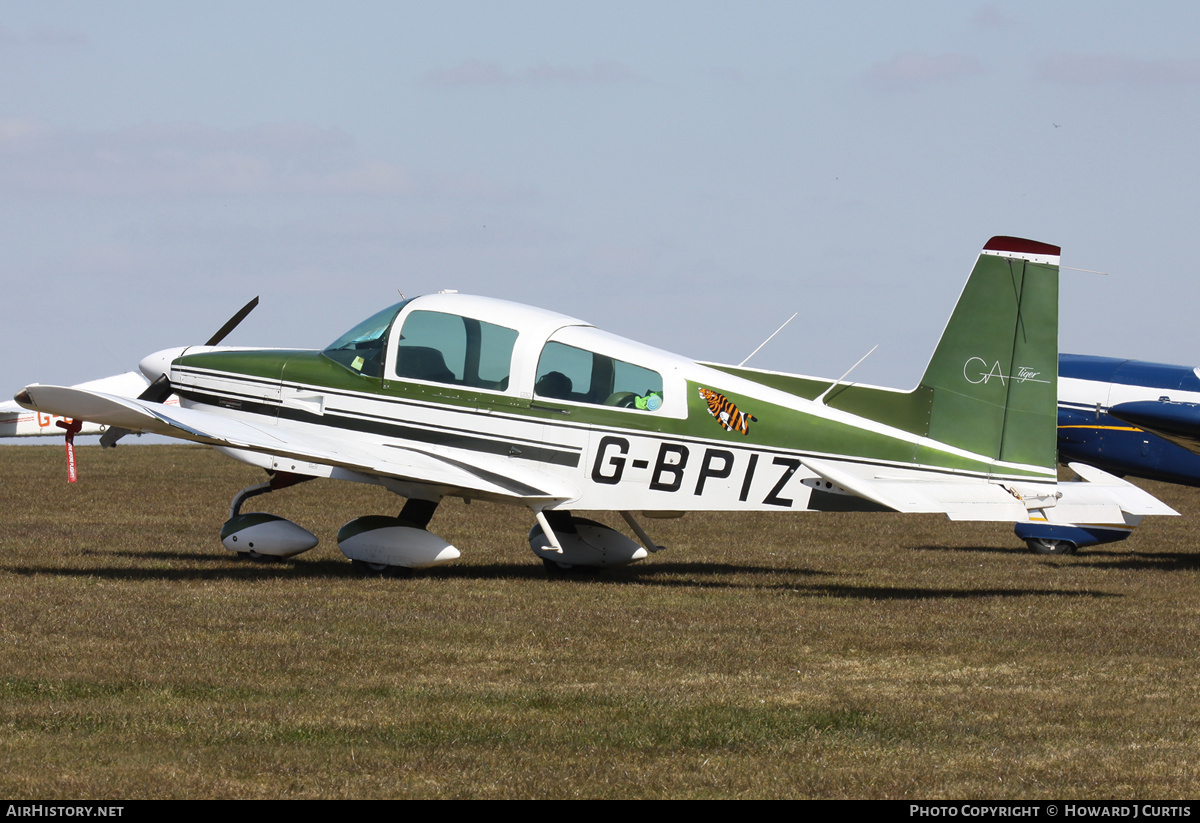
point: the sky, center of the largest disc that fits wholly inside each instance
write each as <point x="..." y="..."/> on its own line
<point x="687" y="174"/>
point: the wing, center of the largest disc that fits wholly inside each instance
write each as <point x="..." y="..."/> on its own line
<point x="484" y="475"/>
<point x="18" y="422"/>
<point x="1177" y="422"/>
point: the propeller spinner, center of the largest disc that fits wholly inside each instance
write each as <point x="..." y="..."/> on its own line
<point x="159" y="390"/>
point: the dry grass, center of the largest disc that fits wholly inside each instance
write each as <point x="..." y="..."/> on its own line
<point x="762" y="656"/>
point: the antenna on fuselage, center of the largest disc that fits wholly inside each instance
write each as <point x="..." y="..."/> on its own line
<point x="820" y="398"/>
<point x="768" y="340"/>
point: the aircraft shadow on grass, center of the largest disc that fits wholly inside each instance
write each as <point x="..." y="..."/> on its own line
<point x="1143" y="561"/>
<point x="1184" y="561"/>
<point x="963" y="549"/>
<point x="644" y="576"/>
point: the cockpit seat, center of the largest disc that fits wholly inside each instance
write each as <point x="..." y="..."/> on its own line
<point x="422" y="363"/>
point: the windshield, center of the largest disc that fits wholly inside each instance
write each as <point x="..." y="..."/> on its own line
<point x="361" y="348"/>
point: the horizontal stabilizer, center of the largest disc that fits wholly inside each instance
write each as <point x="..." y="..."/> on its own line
<point x="959" y="500"/>
<point x="1131" y="499"/>
<point x="1098" y="498"/>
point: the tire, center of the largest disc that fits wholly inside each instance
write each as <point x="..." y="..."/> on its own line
<point x="380" y="569"/>
<point x="1045" y="545"/>
<point x="564" y="571"/>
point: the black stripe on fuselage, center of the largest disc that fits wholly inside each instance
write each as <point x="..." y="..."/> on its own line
<point x="237" y="400"/>
<point x="373" y="424"/>
<point x="525" y="449"/>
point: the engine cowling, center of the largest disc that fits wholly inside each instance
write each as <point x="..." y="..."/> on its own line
<point x="390" y="541"/>
<point x="593" y="544"/>
<point x="266" y="534"/>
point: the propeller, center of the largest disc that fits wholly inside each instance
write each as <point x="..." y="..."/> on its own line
<point x="160" y="389"/>
<point x="232" y="323"/>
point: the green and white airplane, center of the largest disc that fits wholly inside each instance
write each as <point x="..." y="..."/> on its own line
<point x="450" y="395"/>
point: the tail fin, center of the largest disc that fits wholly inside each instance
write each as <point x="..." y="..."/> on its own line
<point x="994" y="374"/>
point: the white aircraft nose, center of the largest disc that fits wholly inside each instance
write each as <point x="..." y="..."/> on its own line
<point x="154" y="366"/>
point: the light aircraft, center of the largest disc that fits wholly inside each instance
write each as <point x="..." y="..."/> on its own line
<point x="1130" y="417"/>
<point x="450" y="395"/>
<point x="18" y="422"/>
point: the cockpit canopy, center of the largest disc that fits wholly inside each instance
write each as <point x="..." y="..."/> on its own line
<point x="449" y="348"/>
<point x="570" y="373"/>
<point x="574" y="362"/>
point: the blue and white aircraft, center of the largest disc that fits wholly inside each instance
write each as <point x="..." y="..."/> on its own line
<point x="1130" y="417"/>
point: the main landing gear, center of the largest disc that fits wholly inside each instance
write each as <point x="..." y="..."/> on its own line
<point x="567" y="543"/>
<point x="1065" y="538"/>
<point x="393" y="546"/>
<point x="1045" y="545"/>
<point x="258" y="534"/>
<point x="376" y="544"/>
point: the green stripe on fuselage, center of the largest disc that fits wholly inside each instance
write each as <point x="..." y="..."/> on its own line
<point x="907" y="411"/>
<point x="777" y="427"/>
<point x="781" y="427"/>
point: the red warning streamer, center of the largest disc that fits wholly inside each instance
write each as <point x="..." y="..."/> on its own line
<point x="72" y="427"/>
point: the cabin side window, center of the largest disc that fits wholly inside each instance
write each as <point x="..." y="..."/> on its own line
<point x="580" y="376"/>
<point x="447" y="348"/>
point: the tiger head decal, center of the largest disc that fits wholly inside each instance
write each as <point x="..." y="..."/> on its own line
<point x="729" y="416"/>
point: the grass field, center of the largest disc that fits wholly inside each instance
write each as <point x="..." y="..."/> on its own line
<point x="873" y="656"/>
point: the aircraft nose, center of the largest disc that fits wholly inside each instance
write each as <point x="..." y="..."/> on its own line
<point x="154" y="366"/>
